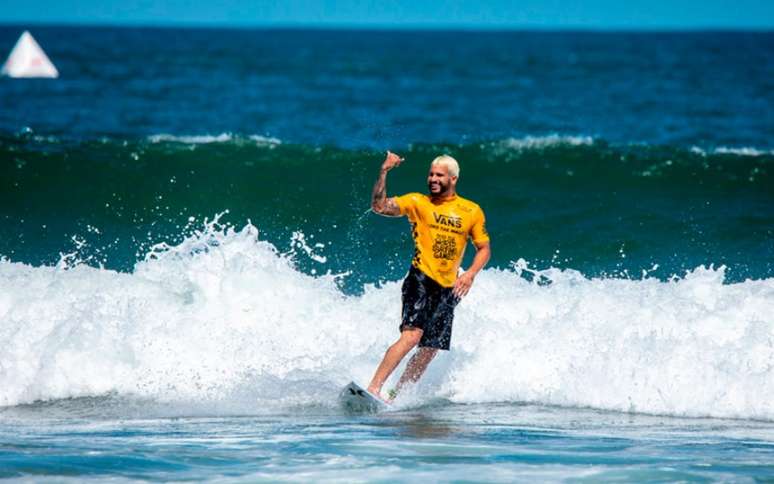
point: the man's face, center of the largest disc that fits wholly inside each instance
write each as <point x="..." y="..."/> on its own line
<point x="439" y="182"/>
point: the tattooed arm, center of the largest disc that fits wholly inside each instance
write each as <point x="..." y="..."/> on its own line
<point x="379" y="202"/>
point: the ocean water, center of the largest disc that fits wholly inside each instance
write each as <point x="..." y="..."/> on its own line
<point x="189" y="271"/>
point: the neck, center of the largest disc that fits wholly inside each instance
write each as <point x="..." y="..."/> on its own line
<point x="442" y="197"/>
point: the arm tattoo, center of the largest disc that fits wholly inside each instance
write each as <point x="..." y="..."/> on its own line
<point x="379" y="202"/>
<point x="391" y="208"/>
<point x="380" y="192"/>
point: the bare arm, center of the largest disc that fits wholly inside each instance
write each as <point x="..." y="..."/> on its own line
<point x="379" y="202"/>
<point x="465" y="281"/>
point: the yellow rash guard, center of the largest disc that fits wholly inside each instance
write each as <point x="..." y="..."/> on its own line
<point x="440" y="232"/>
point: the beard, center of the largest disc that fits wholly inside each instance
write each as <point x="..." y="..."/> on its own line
<point x="441" y="187"/>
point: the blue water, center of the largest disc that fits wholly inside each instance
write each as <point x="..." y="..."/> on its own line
<point x="388" y="89"/>
<point x="438" y="442"/>
<point x="189" y="272"/>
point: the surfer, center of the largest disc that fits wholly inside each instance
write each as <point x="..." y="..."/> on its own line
<point x="441" y="224"/>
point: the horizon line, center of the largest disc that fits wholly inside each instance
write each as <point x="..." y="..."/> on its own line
<point x="347" y="26"/>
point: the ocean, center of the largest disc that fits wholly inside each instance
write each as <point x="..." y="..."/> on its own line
<point x="190" y="272"/>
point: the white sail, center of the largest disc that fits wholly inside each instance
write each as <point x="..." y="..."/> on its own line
<point x="27" y="59"/>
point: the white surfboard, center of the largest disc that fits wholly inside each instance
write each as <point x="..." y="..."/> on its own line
<point x="356" y="399"/>
<point x="27" y="59"/>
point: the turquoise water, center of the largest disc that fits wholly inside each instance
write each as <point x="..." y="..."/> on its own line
<point x="565" y="201"/>
<point x="437" y="441"/>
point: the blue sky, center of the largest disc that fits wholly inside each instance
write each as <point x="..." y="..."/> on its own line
<point x="595" y="14"/>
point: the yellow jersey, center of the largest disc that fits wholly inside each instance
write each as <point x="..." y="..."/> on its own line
<point x="441" y="231"/>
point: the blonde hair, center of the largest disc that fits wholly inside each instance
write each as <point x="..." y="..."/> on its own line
<point x="450" y="163"/>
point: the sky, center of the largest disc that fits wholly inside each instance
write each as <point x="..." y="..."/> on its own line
<point x="484" y="14"/>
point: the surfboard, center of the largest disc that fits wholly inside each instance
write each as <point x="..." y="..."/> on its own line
<point x="356" y="399"/>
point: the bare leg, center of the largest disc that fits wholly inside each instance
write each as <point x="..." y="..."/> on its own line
<point x="416" y="367"/>
<point x="409" y="338"/>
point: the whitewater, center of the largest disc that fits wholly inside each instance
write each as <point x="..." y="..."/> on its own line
<point x="225" y="323"/>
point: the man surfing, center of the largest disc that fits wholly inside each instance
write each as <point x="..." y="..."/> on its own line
<point x="441" y="223"/>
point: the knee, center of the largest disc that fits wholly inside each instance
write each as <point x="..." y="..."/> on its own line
<point x="410" y="337"/>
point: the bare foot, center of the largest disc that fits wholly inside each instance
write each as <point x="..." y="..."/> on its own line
<point x="376" y="393"/>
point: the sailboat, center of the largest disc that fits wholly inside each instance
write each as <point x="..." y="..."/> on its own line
<point x="27" y="59"/>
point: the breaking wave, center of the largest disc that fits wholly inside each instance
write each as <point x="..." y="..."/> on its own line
<point x="224" y="316"/>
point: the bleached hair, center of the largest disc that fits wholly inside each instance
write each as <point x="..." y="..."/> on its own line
<point x="450" y="163"/>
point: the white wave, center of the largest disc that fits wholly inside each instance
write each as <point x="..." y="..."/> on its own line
<point x="223" y="316"/>
<point x="723" y="150"/>
<point x="744" y="151"/>
<point x="537" y="142"/>
<point x="206" y="139"/>
<point x="691" y="347"/>
<point x="265" y="140"/>
<point x="198" y="139"/>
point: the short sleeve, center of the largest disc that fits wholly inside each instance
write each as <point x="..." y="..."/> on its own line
<point x="478" y="231"/>
<point x="405" y="203"/>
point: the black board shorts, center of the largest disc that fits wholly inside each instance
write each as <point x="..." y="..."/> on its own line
<point x="428" y="306"/>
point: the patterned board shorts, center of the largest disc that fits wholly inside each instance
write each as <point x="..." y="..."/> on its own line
<point x="428" y="306"/>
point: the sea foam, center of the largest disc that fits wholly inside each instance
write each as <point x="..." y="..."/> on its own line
<point x="740" y="151"/>
<point x="208" y="139"/>
<point x="226" y="317"/>
<point x="548" y="141"/>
